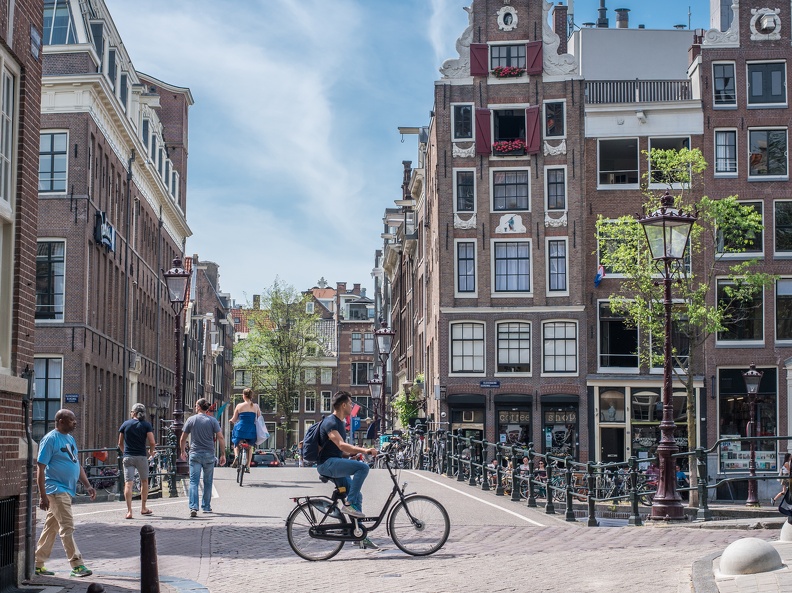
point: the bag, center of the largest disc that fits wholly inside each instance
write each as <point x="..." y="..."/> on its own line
<point x="785" y="508"/>
<point x="261" y="431"/>
<point x="783" y="475"/>
<point x="311" y="445"/>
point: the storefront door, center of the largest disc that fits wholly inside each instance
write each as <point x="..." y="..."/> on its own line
<point x="611" y="445"/>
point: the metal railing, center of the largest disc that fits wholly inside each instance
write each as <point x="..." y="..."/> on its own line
<point x="562" y="481"/>
<point x="105" y="471"/>
<point x="638" y="91"/>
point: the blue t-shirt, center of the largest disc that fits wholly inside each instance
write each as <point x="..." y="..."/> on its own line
<point x="329" y="448"/>
<point x="135" y="432"/>
<point x="58" y="452"/>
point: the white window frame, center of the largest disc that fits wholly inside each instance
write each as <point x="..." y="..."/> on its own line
<point x="481" y="373"/>
<point x="65" y="190"/>
<point x="545" y="373"/>
<point x="748" y="254"/>
<point x="599" y="261"/>
<point x="736" y="171"/>
<point x="774" y="177"/>
<point x="618" y="369"/>
<point x="326" y="372"/>
<point x="783" y="341"/>
<point x="531" y="283"/>
<point x="556" y="293"/>
<point x="296" y="400"/>
<point x="492" y="172"/>
<point x="310" y="395"/>
<point x="638" y="160"/>
<point x="455" y="171"/>
<point x="309" y="307"/>
<point x="734" y="71"/>
<point x="329" y="408"/>
<point x="309" y="376"/>
<point x="544" y="119"/>
<point x="9" y="73"/>
<point x="65" y="280"/>
<point x="457" y="293"/>
<point x="530" y="348"/>
<point x="779" y="254"/>
<point x="472" y="122"/>
<point x="547" y="170"/>
<point x="656" y="184"/>
<point x="743" y="343"/>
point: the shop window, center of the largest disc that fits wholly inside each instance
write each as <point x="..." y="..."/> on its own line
<point x="560" y="431"/>
<point x="618" y="340"/>
<point x="743" y="318"/>
<point x="514" y="426"/>
<point x="618" y="162"/>
<point x="611" y="405"/>
<point x="783" y="226"/>
<point x="734" y="415"/>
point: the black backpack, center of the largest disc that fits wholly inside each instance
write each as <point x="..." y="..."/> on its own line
<point x="311" y="443"/>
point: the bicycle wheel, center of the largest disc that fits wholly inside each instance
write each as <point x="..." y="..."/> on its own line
<point x="419" y="525"/>
<point x="298" y="526"/>
<point x="242" y="466"/>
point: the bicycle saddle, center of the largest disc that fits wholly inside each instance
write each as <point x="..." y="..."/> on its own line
<point x="336" y="481"/>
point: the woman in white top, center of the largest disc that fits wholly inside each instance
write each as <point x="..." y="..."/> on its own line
<point x="783" y="477"/>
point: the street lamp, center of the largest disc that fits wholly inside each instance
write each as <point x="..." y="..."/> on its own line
<point x="375" y="389"/>
<point x="177" y="279"/>
<point x="752" y="378"/>
<point x="667" y="231"/>
<point x="384" y="336"/>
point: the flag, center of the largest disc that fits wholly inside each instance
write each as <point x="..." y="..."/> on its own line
<point x="220" y="411"/>
<point x="600" y="275"/>
<point x="355" y="410"/>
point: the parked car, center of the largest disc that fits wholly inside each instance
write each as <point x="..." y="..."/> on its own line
<point x="265" y="460"/>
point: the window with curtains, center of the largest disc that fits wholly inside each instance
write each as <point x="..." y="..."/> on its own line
<point x="357" y="342"/>
<point x="726" y="152"/>
<point x="326" y="376"/>
<point x="512" y="266"/>
<point x="466" y="266"/>
<point x="511" y="190"/>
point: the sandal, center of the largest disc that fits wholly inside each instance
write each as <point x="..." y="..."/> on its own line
<point x="147" y="512"/>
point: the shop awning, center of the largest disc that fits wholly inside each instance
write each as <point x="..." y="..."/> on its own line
<point x="466" y="399"/>
<point x="560" y="398"/>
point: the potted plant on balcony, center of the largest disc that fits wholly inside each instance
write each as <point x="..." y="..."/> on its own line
<point x="508" y="147"/>
<point x="507" y="72"/>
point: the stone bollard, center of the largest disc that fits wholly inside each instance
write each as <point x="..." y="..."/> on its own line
<point x="749" y="555"/>
<point x="149" y="571"/>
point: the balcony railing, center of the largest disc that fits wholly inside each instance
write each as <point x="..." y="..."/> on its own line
<point x="638" y="91"/>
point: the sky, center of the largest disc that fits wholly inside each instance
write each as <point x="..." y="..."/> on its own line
<point x="294" y="151"/>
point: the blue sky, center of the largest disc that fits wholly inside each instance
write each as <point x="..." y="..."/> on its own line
<point x="294" y="151"/>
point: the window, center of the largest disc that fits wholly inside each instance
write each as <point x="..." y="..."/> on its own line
<point x="327" y="376"/>
<point x="783" y="226"/>
<point x="52" y="162"/>
<point x="511" y="190"/>
<point x="295" y="403"/>
<point x="327" y="398"/>
<point x="7" y="137"/>
<point x="509" y="124"/>
<point x="467" y="348"/>
<point x="50" y="271"/>
<point x="242" y="378"/>
<point x="466" y="266"/>
<point x="556" y="188"/>
<point x="309" y="307"/>
<point x="462" y="125"/>
<point x="123" y="93"/>
<point x="47" y="401"/>
<point x="754" y="243"/>
<point x="507" y="55"/>
<point x="667" y="178"/>
<point x="357" y="342"/>
<point x="726" y="152"/>
<point x="368" y="343"/>
<point x="310" y="376"/>
<point x="111" y="67"/>
<point x="559" y="347"/>
<point x="512" y="266"/>
<point x="768" y="152"/>
<point x="557" y="265"/>
<point x="144" y="133"/>
<point x="743" y="318"/>
<point x="166" y="179"/>
<point x="726" y="14"/>
<point x="310" y="401"/>
<point x="465" y="190"/>
<point x="767" y="83"/>
<point x="554" y="120"/>
<point x="153" y="149"/>
<point x="723" y="87"/>
<point x="362" y="372"/>
<point x="175" y="194"/>
<point x="784" y="309"/>
<point x="618" y="341"/>
<point x="159" y="161"/>
<point x="58" y="24"/>
<point x="680" y="344"/>
<point x="514" y="347"/>
<point x="618" y="162"/>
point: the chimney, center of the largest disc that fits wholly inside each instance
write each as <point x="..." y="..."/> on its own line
<point x="602" y="20"/>
<point x="341" y="288"/>
<point x="560" y="27"/>
<point x="622" y="18"/>
<point x="356" y="289"/>
<point x="257" y="301"/>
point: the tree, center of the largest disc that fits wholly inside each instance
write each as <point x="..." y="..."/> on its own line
<point x="282" y="335"/>
<point x="712" y="293"/>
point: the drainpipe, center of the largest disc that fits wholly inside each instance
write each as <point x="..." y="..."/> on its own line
<point x="159" y="315"/>
<point x="26" y="402"/>
<point x="126" y="280"/>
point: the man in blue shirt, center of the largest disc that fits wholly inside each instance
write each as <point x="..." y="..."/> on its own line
<point x="203" y="429"/>
<point x="58" y="471"/>
<point x="134" y="437"/>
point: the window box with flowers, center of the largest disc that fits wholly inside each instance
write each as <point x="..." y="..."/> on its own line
<point x="507" y="72"/>
<point x="508" y="147"/>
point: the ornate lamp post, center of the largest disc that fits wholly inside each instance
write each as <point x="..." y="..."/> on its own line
<point x="384" y="336"/>
<point x="667" y="231"/>
<point x="752" y="378"/>
<point x="177" y="279"/>
<point x="375" y="389"/>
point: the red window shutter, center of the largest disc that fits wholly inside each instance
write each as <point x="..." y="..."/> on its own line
<point x="483" y="133"/>
<point x="479" y="59"/>
<point x="533" y="57"/>
<point x="533" y="137"/>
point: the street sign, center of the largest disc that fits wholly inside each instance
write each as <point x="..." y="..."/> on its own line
<point x="489" y="384"/>
<point x="71" y="398"/>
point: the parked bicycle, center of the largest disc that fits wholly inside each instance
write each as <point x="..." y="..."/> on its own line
<point x="317" y="530"/>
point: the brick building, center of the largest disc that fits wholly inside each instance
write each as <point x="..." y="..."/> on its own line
<point x="112" y="204"/>
<point x="20" y="82"/>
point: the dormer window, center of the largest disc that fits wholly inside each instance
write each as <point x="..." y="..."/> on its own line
<point x="58" y="23"/>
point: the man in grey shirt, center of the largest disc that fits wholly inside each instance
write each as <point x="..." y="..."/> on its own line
<point x="203" y="429"/>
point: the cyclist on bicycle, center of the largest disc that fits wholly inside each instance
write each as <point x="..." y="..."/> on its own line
<point x="334" y="449"/>
<point x="244" y="421"/>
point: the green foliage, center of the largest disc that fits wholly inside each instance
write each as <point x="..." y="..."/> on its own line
<point x="281" y="337"/>
<point x="406" y="406"/>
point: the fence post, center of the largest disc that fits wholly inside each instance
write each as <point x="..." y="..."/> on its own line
<point x="570" y="511"/>
<point x="703" y="514"/>
<point x="498" y="470"/>
<point x="516" y="481"/>
<point x="549" y="507"/>
<point x="484" y="469"/>
<point x="459" y="460"/>
<point x="531" y="497"/>
<point x="591" y="480"/>
<point x="449" y="454"/>
<point x="172" y="492"/>
<point x="149" y="571"/>
<point x="635" y="515"/>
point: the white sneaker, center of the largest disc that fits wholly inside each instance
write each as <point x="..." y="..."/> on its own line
<point x="352" y="511"/>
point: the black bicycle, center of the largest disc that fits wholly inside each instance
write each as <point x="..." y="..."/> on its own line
<point x="317" y="529"/>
